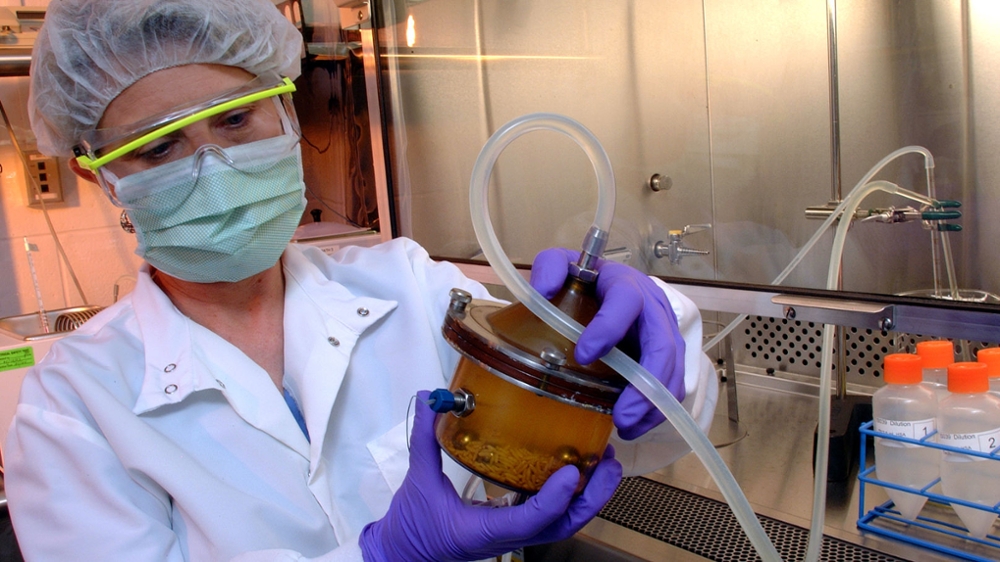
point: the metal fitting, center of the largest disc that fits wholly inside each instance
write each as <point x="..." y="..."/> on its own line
<point x="465" y="403"/>
<point x="674" y="249"/>
<point x="553" y="358"/>
<point x="460" y="402"/>
<point x="459" y="300"/>
<point x="594" y="245"/>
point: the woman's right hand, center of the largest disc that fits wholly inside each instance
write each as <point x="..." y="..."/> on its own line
<point x="427" y="520"/>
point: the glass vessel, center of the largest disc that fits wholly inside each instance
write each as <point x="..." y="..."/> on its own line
<point x="527" y="408"/>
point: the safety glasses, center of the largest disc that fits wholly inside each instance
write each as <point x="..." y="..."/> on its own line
<point x="100" y="147"/>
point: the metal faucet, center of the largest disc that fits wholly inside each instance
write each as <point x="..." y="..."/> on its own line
<point x="674" y="248"/>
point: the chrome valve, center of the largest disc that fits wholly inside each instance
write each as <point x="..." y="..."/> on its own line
<point x="674" y="248"/>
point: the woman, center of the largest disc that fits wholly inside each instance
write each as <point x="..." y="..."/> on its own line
<point x="248" y="399"/>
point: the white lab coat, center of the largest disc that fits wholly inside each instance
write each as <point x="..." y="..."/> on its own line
<point x="144" y="436"/>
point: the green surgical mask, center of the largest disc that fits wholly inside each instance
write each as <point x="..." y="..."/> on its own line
<point x="218" y="215"/>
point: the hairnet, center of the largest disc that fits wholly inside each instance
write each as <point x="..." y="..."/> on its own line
<point x="89" y="51"/>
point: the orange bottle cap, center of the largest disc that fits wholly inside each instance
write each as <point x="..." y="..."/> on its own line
<point x="968" y="378"/>
<point x="903" y="368"/>
<point x="990" y="356"/>
<point x="937" y="354"/>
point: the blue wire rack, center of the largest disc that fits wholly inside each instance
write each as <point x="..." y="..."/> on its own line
<point x="937" y="528"/>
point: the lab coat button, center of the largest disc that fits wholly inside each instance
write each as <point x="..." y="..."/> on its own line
<point x="170" y="389"/>
<point x="362" y="312"/>
<point x="222" y="385"/>
<point x="169" y="368"/>
<point x="333" y="341"/>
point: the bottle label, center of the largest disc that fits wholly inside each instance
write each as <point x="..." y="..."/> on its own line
<point x="915" y="429"/>
<point x="983" y="442"/>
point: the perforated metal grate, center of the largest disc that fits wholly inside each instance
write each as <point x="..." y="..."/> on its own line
<point x="792" y="346"/>
<point x="708" y="528"/>
<point x="783" y="342"/>
<point x="866" y="348"/>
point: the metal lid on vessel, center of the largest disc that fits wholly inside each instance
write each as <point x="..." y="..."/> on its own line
<point x="550" y="371"/>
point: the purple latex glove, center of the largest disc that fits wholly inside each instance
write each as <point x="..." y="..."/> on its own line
<point x="427" y="520"/>
<point x="635" y="309"/>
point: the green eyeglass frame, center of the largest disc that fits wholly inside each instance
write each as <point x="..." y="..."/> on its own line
<point x="92" y="163"/>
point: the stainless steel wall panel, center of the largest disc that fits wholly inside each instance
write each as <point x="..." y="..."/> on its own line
<point x="731" y="101"/>
<point x="982" y="20"/>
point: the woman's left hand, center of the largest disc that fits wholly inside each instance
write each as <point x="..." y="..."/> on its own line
<point x="634" y="309"/>
<point x="428" y="521"/>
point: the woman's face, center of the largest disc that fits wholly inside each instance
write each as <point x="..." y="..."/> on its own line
<point x="170" y="88"/>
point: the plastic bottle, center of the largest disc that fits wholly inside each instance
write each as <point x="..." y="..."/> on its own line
<point x="906" y="408"/>
<point x="969" y="418"/>
<point x="937" y="355"/>
<point x="991" y="356"/>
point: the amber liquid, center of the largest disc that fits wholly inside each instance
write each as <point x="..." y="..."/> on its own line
<point x="516" y="438"/>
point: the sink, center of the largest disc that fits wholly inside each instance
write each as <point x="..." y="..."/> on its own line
<point x="28" y="327"/>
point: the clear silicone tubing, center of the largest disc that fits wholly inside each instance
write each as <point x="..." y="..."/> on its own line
<point x="851" y="203"/>
<point x="928" y="167"/>
<point x="632" y="371"/>
<point x="846" y="208"/>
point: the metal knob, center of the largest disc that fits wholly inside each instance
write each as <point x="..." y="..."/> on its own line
<point x="659" y="182"/>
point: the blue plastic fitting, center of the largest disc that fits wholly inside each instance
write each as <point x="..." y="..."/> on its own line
<point x="940" y="215"/>
<point x="441" y="401"/>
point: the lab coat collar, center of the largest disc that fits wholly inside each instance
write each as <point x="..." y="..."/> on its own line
<point x="356" y="313"/>
<point x="169" y="374"/>
<point x="327" y="320"/>
<point x="318" y="312"/>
